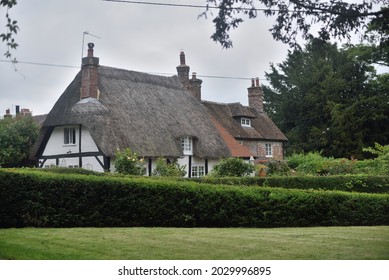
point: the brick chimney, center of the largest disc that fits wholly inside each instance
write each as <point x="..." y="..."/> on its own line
<point x="255" y="95"/>
<point x="7" y="114"/>
<point x="183" y="69"/>
<point x="195" y="86"/>
<point x="25" y="112"/>
<point x="89" y="72"/>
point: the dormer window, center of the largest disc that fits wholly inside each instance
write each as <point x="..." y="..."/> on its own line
<point x="187" y="145"/>
<point x="245" y="122"/>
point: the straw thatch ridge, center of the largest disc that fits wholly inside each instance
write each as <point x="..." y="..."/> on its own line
<point x="147" y="113"/>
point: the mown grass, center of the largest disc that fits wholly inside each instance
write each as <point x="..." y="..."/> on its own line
<point x="334" y="243"/>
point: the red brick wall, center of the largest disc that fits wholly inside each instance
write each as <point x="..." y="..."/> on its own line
<point x="258" y="149"/>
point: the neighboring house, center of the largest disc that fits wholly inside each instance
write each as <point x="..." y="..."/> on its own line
<point x="106" y="109"/>
<point x="250" y="125"/>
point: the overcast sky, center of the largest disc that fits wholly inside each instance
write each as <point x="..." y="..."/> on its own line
<point x="134" y="37"/>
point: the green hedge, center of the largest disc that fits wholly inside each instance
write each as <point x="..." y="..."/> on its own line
<point x="61" y="200"/>
<point x="350" y="183"/>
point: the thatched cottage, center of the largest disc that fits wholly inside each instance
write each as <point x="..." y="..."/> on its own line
<point x="105" y="109"/>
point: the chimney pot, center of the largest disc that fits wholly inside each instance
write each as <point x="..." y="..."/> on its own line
<point x="182" y="58"/>
<point x="252" y="82"/>
<point x="90" y="49"/>
<point x="194" y="74"/>
<point x="257" y="82"/>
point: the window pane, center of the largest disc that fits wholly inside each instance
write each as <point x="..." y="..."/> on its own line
<point x="245" y="122"/>
<point x="66" y="135"/>
<point x="73" y="135"/>
<point x="198" y="171"/>
<point x="69" y="135"/>
<point x="186" y="143"/>
<point x="268" y="149"/>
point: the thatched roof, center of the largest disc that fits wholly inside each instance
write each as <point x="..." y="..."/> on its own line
<point x="147" y="113"/>
<point x="228" y="115"/>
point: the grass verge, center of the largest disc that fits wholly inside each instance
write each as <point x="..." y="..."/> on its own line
<point x="318" y="243"/>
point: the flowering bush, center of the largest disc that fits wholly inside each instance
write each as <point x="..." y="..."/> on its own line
<point x="232" y="167"/>
<point x="127" y="162"/>
<point x="169" y="169"/>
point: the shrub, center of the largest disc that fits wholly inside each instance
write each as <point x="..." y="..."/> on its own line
<point x="61" y="200"/>
<point x="168" y="169"/>
<point x="339" y="166"/>
<point x="278" y="167"/>
<point x="312" y="163"/>
<point x="127" y="162"/>
<point x="232" y="167"/>
<point x="378" y="165"/>
<point x="67" y="170"/>
<point x="350" y="183"/>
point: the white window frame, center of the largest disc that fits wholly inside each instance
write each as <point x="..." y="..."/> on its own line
<point x="197" y="171"/>
<point x="187" y="145"/>
<point x="268" y="150"/>
<point x="69" y="136"/>
<point x="245" y="122"/>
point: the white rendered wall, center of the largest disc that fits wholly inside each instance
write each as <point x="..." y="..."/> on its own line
<point x="55" y="146"/>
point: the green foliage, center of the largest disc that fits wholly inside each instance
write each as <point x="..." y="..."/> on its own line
<point x="127" y="162"/>
<point x="336" y="19"/>
<point x="41" y="199"/>
<point x="232" y="167"/>
<point x="11" y="29"/>
<point x="314" y="163"/>
<point x="324" y="99"/>
<point x="17" y="137"/>
<point x="67" y="170"/>
<point x="349" y="183"/>
<point x="166" y="169"/>
<point x="378" y="165"/>
<point x="278" y="167"/>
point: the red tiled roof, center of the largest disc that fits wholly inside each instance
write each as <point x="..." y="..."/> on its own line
<point x="236" y="149"/>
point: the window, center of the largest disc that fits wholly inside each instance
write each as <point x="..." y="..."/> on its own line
<point x="245" y="122"/>
<point x="186" y="143"/>
<point x="268" y="150"/>
<point x="69" y="136"/>
<point x="198" y="171"/>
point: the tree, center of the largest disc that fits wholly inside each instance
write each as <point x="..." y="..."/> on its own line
<point x="323" y="98"/>
<point x="17" y="137"/>
<point x="338" y="19"/>
<point x="11" y="28"/>
<point x="377" y="49"/>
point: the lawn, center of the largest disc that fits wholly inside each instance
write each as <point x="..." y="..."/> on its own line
<point x="334" y="243"/>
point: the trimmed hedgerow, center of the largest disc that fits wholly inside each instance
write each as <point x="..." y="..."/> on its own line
<point x="62" y="200"/>
<point x="349" y="183"/>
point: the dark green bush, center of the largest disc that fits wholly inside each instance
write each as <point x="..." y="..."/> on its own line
<point x="232" y="167"/>
<point x="57" y="200"/>
<point x="67" y="170"/>
<point x="350" y="183"/>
